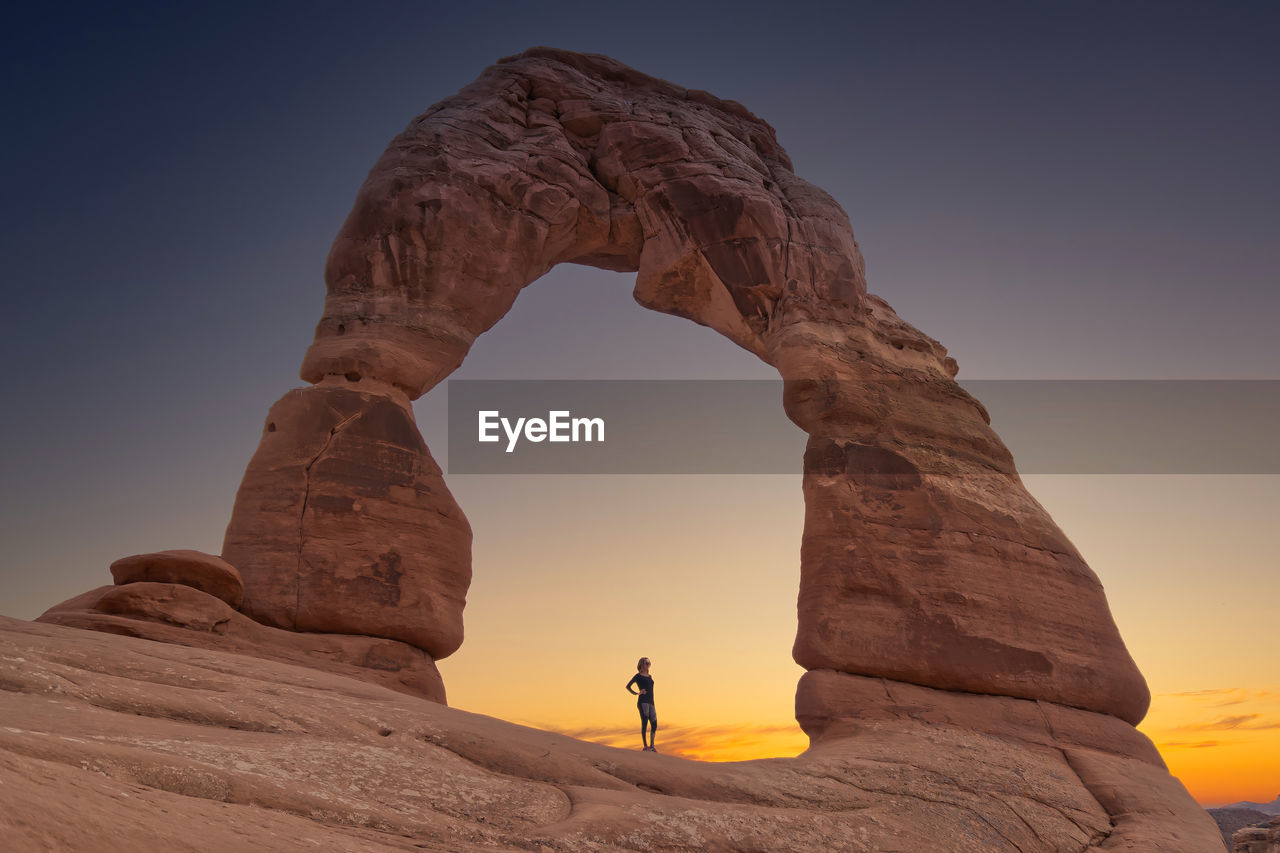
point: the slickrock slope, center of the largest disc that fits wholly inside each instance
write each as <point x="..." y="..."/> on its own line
<point x="114" y="743"/>
<point x="174" y="613"/>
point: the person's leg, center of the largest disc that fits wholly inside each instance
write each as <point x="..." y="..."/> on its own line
<point x="653" y="728"/>
<point x="650" y="715"/>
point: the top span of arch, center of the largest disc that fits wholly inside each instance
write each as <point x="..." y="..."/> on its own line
<point x="552" y="157"/>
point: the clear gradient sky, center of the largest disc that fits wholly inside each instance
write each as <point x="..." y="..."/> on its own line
<point x="1053" y="190"/>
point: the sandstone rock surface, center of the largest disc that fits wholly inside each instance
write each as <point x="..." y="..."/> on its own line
<point x="196" y="569"/>
<point x="173" y="613"/>
<point x="343" y="523"/>
<point x="114" y="743"/>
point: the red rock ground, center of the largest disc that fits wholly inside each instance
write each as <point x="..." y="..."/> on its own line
<point x="111" y="743"/>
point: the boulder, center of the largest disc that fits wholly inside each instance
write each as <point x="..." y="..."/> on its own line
<point x="195" y="569"/>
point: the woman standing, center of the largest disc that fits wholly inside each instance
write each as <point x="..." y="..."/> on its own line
<point x="644" y="681"/>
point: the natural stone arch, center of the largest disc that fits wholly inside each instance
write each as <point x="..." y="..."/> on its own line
<point x="923" y="559"/>
<point x="966" y="686"/>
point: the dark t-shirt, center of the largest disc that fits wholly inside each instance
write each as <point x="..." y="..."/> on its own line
<point x="646" y="682"/>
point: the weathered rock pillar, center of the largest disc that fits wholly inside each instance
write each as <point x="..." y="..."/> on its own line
<point x="343" y="523"/>
<point x="924" y="558"/>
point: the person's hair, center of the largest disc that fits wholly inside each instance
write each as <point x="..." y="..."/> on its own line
<point x="639" y="662"/>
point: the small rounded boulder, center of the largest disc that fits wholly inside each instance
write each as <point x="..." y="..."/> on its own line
<point x="195" y="569"/>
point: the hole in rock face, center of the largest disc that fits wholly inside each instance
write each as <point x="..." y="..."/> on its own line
<point x="342" y="330"/>
<point x="271" y="427"/>
<point x="575" y="577"/>
<point x="353" y="376"/>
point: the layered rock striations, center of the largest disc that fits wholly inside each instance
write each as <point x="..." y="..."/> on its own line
<point x="116" y="744"/>
<point x="951" y="632"/>
<point x="343" y="523"/>
<point x="183" y="615"/>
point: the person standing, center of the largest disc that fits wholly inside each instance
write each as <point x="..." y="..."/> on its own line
<point x="648" y="714"/>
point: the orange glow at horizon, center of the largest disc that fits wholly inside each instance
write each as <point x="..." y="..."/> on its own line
<point x="700" y="575"/>
<point x="1223" y="743"/>
<point x="730" y="742"/>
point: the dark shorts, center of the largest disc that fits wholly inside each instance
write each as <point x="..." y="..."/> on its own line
<point x="647" y="712"/>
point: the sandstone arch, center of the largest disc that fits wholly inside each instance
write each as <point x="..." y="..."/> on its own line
<point x="966" y="686"/>
<point x="924" y="559"/>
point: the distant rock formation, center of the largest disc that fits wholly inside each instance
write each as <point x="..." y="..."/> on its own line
<point x="1230" y="819"/>
<point x="946" y="623"/>
<point x="1258" y="839"/>
<point x="1272" y="808"/>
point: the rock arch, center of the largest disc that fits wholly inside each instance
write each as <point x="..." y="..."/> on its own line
<point x="966" y="687"/>
<point x="924" y="559"/>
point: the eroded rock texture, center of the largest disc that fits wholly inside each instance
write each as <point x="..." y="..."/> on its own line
<point x="343" y="523"/>
<point x="115" y="744"/>
<point x="185" y="616"/>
